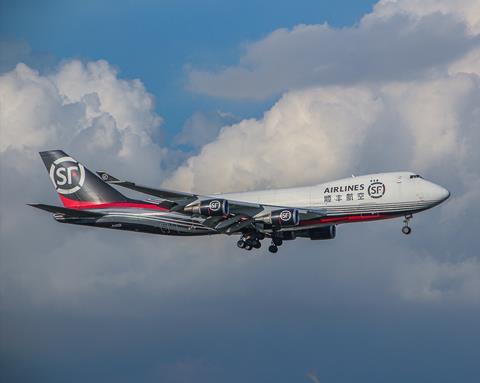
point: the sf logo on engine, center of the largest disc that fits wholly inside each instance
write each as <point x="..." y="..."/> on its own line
<point x="67" y="175"/>
<point x="286" y="215"/>
<point x="215" y="205"/>
<point x="376" y="189"/>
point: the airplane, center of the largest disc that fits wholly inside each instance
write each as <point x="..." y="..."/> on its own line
<point x="279" y="214"/>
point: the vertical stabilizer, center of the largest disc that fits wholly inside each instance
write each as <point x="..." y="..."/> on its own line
<point x="76" y="185"/>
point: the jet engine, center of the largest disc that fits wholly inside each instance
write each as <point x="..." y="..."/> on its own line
<point x="209" y="208"/>
<point x="327" y="232"/>
<point x="282" y="217"/>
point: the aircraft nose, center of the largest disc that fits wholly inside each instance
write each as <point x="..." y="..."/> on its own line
<point x="440" y="193"/>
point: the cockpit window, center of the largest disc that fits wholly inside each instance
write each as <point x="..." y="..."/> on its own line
<point x="415" y="176"/>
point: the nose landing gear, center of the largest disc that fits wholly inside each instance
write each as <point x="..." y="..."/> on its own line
<point x="407" y="229"/>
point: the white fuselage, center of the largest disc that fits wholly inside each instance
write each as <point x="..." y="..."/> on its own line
<point x="355" y="199"/>
<point x="368" y="197"/>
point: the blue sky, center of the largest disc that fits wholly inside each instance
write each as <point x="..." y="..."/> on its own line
<point x="387" y="88"/>
<point x="155" y="40"/>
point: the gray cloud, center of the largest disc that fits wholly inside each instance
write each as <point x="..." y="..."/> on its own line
<point x="201" y="128"/>
<point x="15" y="51"/>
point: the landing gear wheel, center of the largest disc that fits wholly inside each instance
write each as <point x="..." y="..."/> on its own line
<point x="257" y="245"/>
<point x="406" y="230"/>
<point x="272" y="249"/>
<point x="248" y="247"/>
<point x="241" y="244"/>
<point x="277" y="241"/>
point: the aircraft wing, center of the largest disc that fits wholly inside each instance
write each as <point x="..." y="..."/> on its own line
<point x="176" y="200"/>
<point x="242" y="215"/>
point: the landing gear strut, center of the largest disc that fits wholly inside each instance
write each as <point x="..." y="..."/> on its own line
<point x="407" y="229"/>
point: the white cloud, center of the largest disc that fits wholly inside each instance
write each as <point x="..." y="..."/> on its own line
<point x="127" y="101"/>
<point x="467" y="11"/>
<point x="470" y="63"/>
<point x="85" y="109"/>
<point x="92" y="114"/>
<point x="333" y="131"/>
<point x="310" y="130"/>
<point x="397" y="41"/>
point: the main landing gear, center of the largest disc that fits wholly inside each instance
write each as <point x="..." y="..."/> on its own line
<point x="250" y="241"/>
<point x="407" y="229"/>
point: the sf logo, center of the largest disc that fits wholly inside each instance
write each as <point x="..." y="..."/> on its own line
<point x="215" y="205"/>
<point x="67" y="175"/>
<point x="376" y="190"/>
<point x="286" y="215"/>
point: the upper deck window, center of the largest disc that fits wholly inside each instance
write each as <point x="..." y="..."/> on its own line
<point x="415" y="176"/>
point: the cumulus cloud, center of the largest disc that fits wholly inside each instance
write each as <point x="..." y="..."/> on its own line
<point x="330" y="131"/>
<point x="84" y="108"/>
<point x="398" y="40"/>
<point x="310" y="129"/>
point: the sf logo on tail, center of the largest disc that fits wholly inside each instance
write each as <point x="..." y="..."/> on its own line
<point x="67" y="175"/>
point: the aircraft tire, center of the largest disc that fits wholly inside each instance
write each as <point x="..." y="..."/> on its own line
<point x="241" y="244"/>
<point x="406" y="230"/>
<point x="257" y="245"/>
<point x="272" y="249"/>
<point x="277" y="241"/>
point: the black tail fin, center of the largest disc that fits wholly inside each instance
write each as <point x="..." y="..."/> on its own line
<point x="76" y="185"/>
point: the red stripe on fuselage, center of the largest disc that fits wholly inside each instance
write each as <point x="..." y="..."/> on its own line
<point x="73" y="204"/>
<point x="347" y="218"/>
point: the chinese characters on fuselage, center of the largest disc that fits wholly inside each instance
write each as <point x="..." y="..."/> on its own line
<point x="337" y="193"/>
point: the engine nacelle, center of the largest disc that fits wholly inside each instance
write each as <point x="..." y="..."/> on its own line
<point x="327" y="232"/>
<point x="282" y="217"/>
<point x="210" y="208"/>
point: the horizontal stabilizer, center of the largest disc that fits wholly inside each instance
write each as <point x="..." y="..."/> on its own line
<point x="66" y="211"/>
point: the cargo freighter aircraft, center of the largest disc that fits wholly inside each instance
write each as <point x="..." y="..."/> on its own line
<point x="279" y="214"/>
